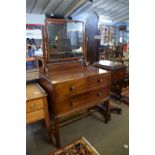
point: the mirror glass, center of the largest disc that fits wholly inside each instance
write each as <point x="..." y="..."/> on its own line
<point x="65" y="40"/>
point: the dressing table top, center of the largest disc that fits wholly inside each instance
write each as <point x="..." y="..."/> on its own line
<point x="72" y="74"/>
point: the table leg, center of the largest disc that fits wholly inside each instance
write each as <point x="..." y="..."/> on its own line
<point x="104" y="109"/>
<point x="57" y="135"/>
<point x="47" y="120"/>
<point x="107" y="112"/>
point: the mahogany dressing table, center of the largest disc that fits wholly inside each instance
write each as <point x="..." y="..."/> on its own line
<point x="71" y="84"/>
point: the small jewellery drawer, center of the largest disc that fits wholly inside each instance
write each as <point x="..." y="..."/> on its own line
<point x="100" y="80"/>
<point x="34" y="105"/>
<point x="67" y="88"/>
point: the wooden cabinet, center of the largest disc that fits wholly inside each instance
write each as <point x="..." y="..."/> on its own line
<point x="118" y="73"/>
<point x="75" y="89"/>
<point x="36" y="106"/>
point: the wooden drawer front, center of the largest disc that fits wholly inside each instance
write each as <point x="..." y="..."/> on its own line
<point x="66" y="105"/>
<point x="101" y="80"/>
<point x="92" y="96"/>
<point x="118" y="75"/>
<point x="77" y="101"/>
<point x="80" y="85"/>
<point x="34" y="116"/>
<point x="102" y="93"/>
<point x="67" y="88"/>
<point x="34" y="105"/>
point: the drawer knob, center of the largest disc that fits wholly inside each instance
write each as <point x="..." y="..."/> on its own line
<point x="99" y="80"/>
<point x="72" y="88"/>
<point x="99" y="94"/>
<point x="33" y="106"/>
<point x="73" y="104"/>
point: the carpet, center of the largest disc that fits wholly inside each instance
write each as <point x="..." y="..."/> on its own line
<point x="78" y="147"/>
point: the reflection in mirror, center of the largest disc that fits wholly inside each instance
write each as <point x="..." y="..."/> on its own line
<point x="65" y="40"/>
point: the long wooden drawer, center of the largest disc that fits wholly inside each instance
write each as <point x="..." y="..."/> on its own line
<point x="98" y="80"/>
<point x="35" y="116"/>
<point x="118" y="75"/>
<point x="67" y="88"/>
<point x="34" y="105"/>
<point x="93" y="95"/>
<point x="77" y="101"/>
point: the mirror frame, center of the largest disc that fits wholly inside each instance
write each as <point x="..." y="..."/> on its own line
<point x="46" y="50"/>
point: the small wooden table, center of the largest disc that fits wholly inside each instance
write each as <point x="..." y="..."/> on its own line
<point x="36" y="106"/>
<point x="118" y="72"/>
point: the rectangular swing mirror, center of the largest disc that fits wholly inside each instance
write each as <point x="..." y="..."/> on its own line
<point x="64" y="40"/>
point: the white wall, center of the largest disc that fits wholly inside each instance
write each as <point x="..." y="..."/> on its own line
<point x="35" y="19"/>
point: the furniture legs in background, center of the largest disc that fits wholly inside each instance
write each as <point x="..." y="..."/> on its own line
<point x="104" y="108"/>
<point x="107" y="114"/>
<point x="114" y="109"/>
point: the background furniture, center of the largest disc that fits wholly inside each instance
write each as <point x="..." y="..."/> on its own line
<point x="32" y="74"/>
<point x="118" y="74"/>
<point x="36" y="106"/>
<point x="32" y="71"/>
<point x="91" y="32"/>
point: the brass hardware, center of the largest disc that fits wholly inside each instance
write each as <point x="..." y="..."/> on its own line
<point x="99" y="80"/>
<point x="72" y="88"/>
<point x="33" y="106"/>
<point x="99" y="94"/>
<point x="73" y="104"/>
